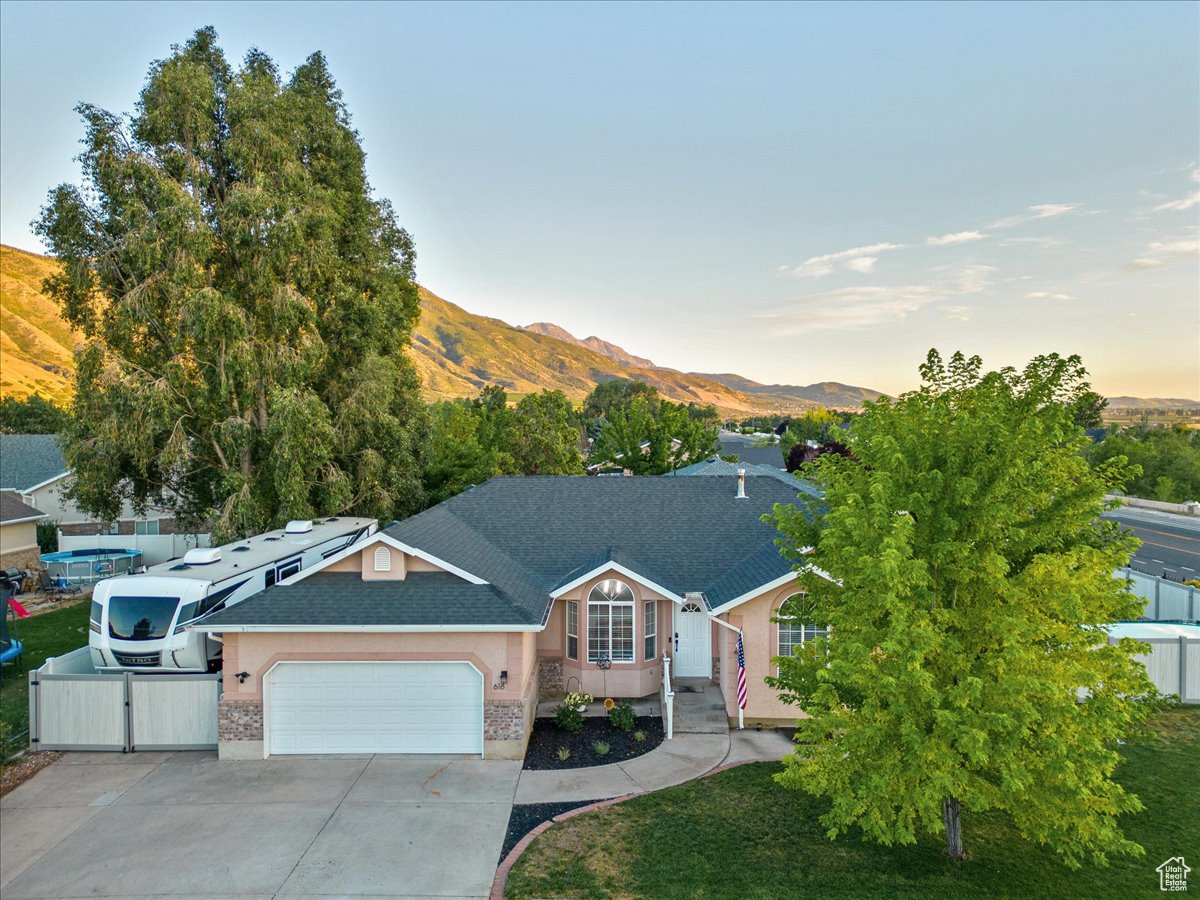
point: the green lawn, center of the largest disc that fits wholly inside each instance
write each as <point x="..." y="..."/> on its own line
<point x="737" y="834"/>
<point x="48" y="634"/>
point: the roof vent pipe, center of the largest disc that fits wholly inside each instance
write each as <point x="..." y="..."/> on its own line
<point x="741" y="494"/>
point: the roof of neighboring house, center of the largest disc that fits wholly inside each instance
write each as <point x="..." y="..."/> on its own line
<point x="13" y="509"/>
<point x="743" y="445"/>
<point x="719" y="468"/>
<point x="27" y="460"/>
<point x="344" y="598"/>
<point x="529" y="536"/>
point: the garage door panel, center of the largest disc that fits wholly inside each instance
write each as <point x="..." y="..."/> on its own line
<point x="376" y="707"/>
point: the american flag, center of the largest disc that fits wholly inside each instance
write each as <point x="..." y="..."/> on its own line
<point x="741" y="674"/>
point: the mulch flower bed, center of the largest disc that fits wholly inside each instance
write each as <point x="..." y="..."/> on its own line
<point x="527" y="816"/>
<point x="547" y="738"/>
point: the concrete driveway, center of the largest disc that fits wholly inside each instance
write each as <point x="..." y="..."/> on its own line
<point x="188" y="825"/>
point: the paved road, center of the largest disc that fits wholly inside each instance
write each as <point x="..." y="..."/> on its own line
<point x="1170" y="545"/>
<point x="189" y="825"/>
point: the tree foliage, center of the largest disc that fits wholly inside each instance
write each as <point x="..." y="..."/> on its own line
<point x="1168" y="460"/>
<point x="471" y="441"/>
<point x="649" y="438"/>
<point x="33" y="415"/>
<point x="812" y="426"/>
<point x="245" y="302"/>
<point x="618" y="393"/>
<point x="964" y="667"/>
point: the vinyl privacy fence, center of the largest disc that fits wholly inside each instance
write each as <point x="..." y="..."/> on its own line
<point x="73" y="707"/>
<point x="1173" y="664"/>
<point x="1166" y="601"/>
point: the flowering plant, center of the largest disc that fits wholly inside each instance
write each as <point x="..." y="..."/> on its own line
<point x="609" y="704"/>
<point x="577" y="698"/>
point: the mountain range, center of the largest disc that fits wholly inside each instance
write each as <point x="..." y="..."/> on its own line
<point x="457" y="353"/>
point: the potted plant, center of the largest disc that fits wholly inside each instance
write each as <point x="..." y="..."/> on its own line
<point x="578" y="700"/>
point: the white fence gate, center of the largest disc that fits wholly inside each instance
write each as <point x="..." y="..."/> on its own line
<point x="73" y="707"/>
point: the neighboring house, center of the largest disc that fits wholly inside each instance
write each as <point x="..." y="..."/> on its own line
<point x="744" y="447"/>
<point x="18" y="533"/>
<point x="33" y="465"/>
<point x="439" y="633"/>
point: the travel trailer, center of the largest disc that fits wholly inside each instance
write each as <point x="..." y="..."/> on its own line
<point x="139" y="622"/>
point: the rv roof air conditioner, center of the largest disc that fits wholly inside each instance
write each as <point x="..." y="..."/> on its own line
<point x="298" y="526"/>
<point x="202" y="556"/>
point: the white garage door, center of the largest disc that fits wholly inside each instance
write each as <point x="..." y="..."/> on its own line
<point x="375" y="707"/>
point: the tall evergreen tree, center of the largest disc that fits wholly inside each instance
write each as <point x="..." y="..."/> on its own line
<point x="246" y="303"/>
<point x="965" y="665"/>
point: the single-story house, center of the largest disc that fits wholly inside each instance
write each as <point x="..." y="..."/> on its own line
<point x="18" y="532"/>
<point x="439" y="634"/>
<point x="33" y="466"/>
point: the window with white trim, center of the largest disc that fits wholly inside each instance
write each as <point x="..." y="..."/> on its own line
<point x="794" y="633"/>
<point x="148" y="526"/>
<point x="572" y="629"/>
<point x="610" y="622"/>
<point x="383" y="559"/>
<point x="650" y="629"/>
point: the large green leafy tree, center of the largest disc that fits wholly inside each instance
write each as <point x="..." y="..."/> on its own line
<point x="246" y="303"/>
<point x="964" y="667"/>
<point x="650" y="436"/>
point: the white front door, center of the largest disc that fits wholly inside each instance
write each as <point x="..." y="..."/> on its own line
<point x="693" y="641"/>
<point x="374" y="707"/>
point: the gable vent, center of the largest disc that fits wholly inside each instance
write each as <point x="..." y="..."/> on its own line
<point x="383" y="560"/>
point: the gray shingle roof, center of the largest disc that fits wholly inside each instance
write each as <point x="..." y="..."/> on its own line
<point x="343" y="598"/>
<point x="29" y="459"/>
<point x="13" y="508"/>
<point x="719" y="468"/>
<point x="528" y="536"/>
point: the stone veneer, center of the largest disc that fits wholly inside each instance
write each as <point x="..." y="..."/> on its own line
<point x="239" y="720"/>
<point x="504" y="720"/>
<point x="31" y="558"/>
<point x="550" y="675"/>
<point x="716" y="669"/>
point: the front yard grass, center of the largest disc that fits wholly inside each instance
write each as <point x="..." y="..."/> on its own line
<point x="44" y="635"/>
<point x="738" y="834"/>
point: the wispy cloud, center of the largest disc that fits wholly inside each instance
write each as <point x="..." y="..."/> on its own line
<point x="857" y="259"/>
<point x="956" y="313"/>
<point x="862" y="264"/>
<point x="1159" y="253"/>
<point x="1179" y="205"/>
<point x="1033" y="213"/>
<point x="958" y="237"/>
<point x="1047" y="295"/>
<point x="858" y="307"/>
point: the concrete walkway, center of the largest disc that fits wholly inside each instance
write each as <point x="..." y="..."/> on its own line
<point x="702" y="742"/>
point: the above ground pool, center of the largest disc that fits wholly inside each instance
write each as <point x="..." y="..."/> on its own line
<point x="88" y="565"/>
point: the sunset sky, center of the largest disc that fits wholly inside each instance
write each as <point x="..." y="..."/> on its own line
<point x="796" y="193"/>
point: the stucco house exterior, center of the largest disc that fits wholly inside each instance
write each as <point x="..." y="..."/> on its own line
<point x="440" y="633"/>
<point x="18" y="532"/>
<point x="33" y="466"/>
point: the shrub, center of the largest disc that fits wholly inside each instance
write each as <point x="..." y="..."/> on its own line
<point x="568" y="718"/>
<point x="639" y="735"/>
<point x="601" y="748"/>
<point x="563" y="754"/>
<point x="621" y="716"/>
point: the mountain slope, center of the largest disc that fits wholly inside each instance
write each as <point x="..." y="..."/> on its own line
<point x="612" y="351"/>
<point x="456" y="352"/>
<point x="35" y="343"/>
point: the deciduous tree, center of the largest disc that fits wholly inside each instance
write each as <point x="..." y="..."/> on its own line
<point x="966" y="666"/>
<point x="246" y="303"/>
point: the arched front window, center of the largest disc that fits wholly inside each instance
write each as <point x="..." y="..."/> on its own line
<point x="794" y="633"/>
<point x="610" y="622"/>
